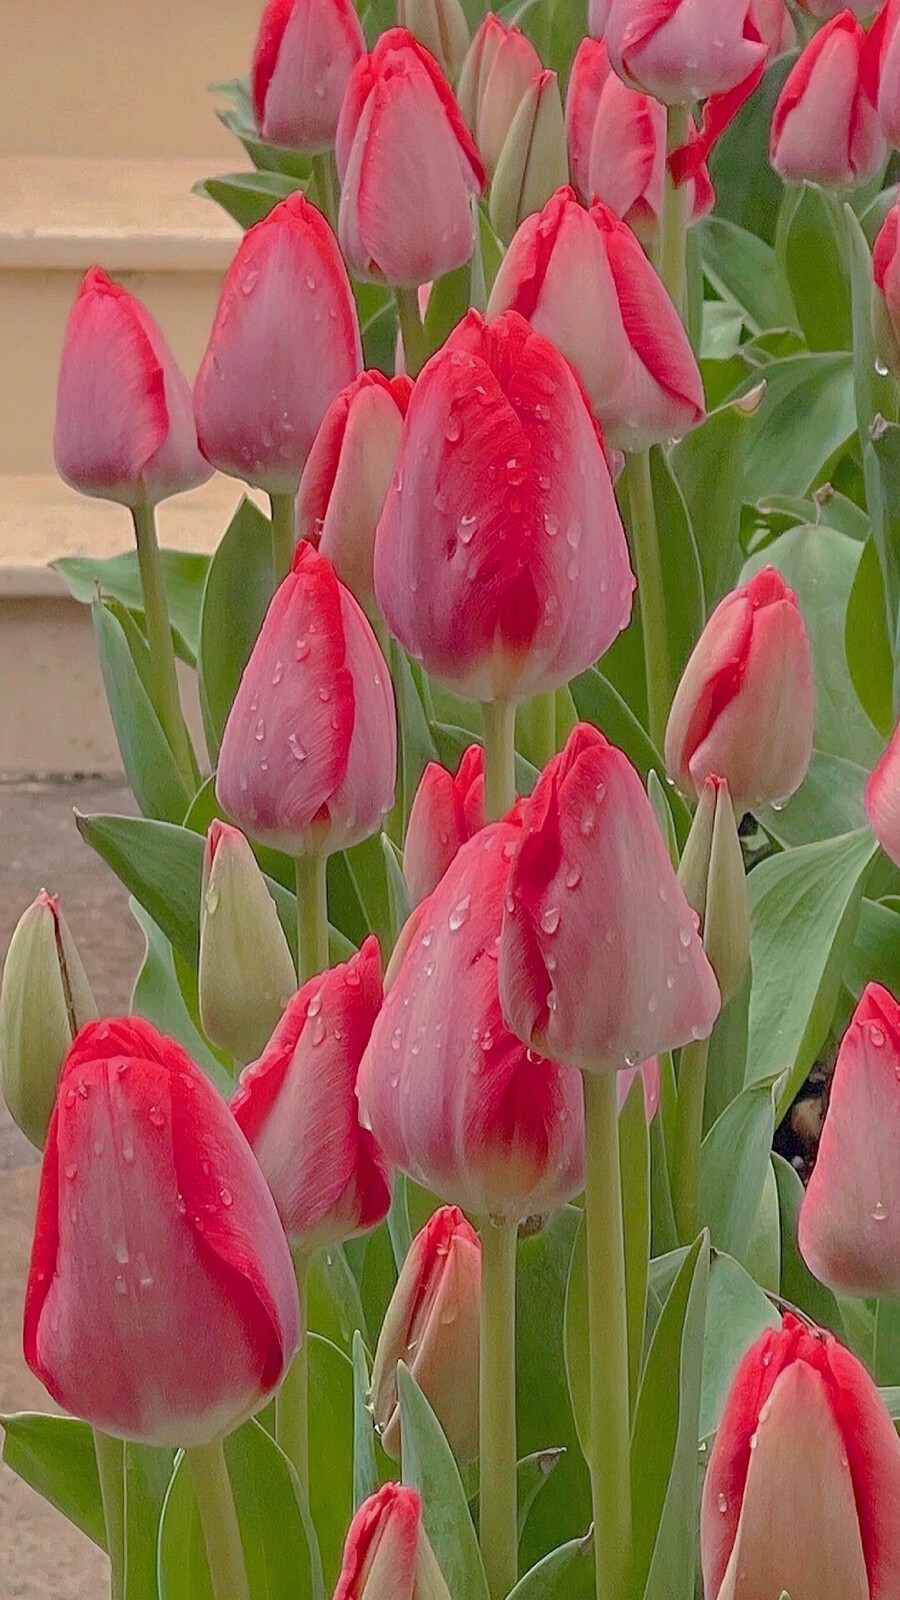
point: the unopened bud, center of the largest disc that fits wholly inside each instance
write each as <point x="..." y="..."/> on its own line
<point x="387" y="1555"/>
<point x="715" y="885"/>
<point x="534" y="161"/>
<point x="441" y="26"/>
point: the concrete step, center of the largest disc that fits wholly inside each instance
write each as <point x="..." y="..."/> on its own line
<point x="135" y="217"/>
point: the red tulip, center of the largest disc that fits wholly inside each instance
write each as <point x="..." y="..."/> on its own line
<point x="285" y="341"/>
<point x="451" y="1096"/>
<point x="387" y="1555"/>
<point x="802" y="1492"/>
<point x="305" y="53"/>
<point x="774" y="24"/>
<point x="881" y="67"/>
<point x="445" y="813"/>
<point x="744" y="708"/>
<point x="883" y="799"/>
<point x="297" y="1107"/>
<point x="407" y="166"/>
<point x="582" y="280"/>
<point x="682" y="50"/>
<point x="825" y="128"/>
<point x="500" y="559"/>
<point x="886" y="303"/>
<point x="497" y="73"/>
<point x="348" y="474"/>
<point x="161" y="1302"/>
<point x="309" y="752"/>
<point x="124" y="423"/>
<point x="432" y="1324"/>
<point x="601" y="964"/>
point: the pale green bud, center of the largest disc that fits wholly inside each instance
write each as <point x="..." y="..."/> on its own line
<point x="715" y="884"/>
<point x="534" y="161"/>
<point x="441" y="26"/>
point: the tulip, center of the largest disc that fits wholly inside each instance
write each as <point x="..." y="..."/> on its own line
<point x="881" y="67"/>
<point x="534" y="160"/>
<point x="285" y="341"/>
<point x="432" y="1324"/>
<point x="683" y="50"/>
<point x="161" y="1303"/>
<point x="246" y="973"/>
<point x="582" y="279"/>
<point x="305" y="53"/>
<point x="501" y="65"/>
<point x="886" y="300"/>
<point x="297" y="1107"/>
<point x="441" y="26"/>
<point x="124" y="422"/>
<point x="598" y="16"/>
<point x="348" y="474"/>
<point x="848" y="1231"/>
<point x="407" y="166"/>
<point x="451" y="1096"/>
<point x="825" y="128"/>
<point x="824" y="9"/>
<point x="445" y="813"/>
<point x="45" y="997"/>
<point x="500" y="559"/>
<point x="617" y="145"/>
<point x="601" y="964"/>
<point x="775" y="25"/>
<point x="802" y="1492"/>
<point x="712" y="876"/>
<point x="309" y="753"/>
<point x="883" y="799"/>
<point x="744" y="708"/>
<point x="387" y="1555"/>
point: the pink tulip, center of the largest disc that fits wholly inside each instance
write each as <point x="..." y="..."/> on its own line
<point x="825" y="128"/>
<point x="305" y="53"/>
<point x="124" y="422"/>
<point x="387" y="1555"/>
<point x="881" y="70"/>
<point x="886" y="303"/>
<point x="601" y="964"/>
<point x="309" y="752"/>
<point x="498" y="71"/>
<point x="745" y="706"/>
<point x="774" y="24"/>
<point x="407" y="166"/>
<point x="581" y="279"/>
<point x="683" y="50"/>
<point x="500" y="559"/>
<point x="297" y="1107"/>
<point x="883" y="799"/>
<point x="445" y="813"/>
<point x="451" y="1095"/>
<point x="802" y="1491"/>
<point x="285" y="341"/>
<point x="348" y="474"/>
<point x="161" y="1303"/>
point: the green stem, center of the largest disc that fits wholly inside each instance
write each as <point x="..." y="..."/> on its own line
<point x="498" y="1493"/>
<point x="327" y="187"/>
<point x="642" y="525"/>
<point x="312" y="915"/>
<point x="688" y="1139"/>
<point x="284" y="533"/>
<point x="166" y="698"/>
<point x="536" y="729"/>
<point x="110" y="1455"/>
<point x="499" y="758"/>
<point x="673" y="247"/>
<point x="415" y="344"/>
<point x="218" y="1519"/>
<point x="292" y="1399"/>
<point x="610" y="1441"/>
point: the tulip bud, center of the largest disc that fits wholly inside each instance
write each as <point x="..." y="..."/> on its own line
<point x="715" y="886"/>
<point x="825" y="128"/>
<point x="501" y="65"/>
<point x="802" y="1491"/>
<point x="45" y="998"/>
<point x="432" y="1324"/>
<point x="309" y="753"/>
<point x="407" y="166"/>
<point x="775" y="25"/>
<point x="161" y="1303"/>
<point x="246" y="974"/>
<point x="620" y="331"/>
<point x="886" y="298"/>
<point x="297" y="1107"/>
<point x="387" y="1555"/>
<point x="124" y="421"/>
<point x="598" y="16"/>
<point x="883" y="800"/>
<point x="445" y="813"/>
<point x="881" y="67"/>
<point x="453" y="1098"/>
<point x="285" y="341"/>
<point x="683" y="50"/>
<point x="348" y="474"/>
<point x="441" y="26"/>
<point x="534" y="160"/>
<point x="745" y="706"/>
<point x="500" y="558"/>
<point x="305" y="53"/>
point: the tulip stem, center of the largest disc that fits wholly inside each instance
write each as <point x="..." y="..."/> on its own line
<point x="218" y="1519"/>
<point x="642" y="526"/>
<point x="673" y="248"/>
<point x="166" y="698"/>
<point x="415" y="344"/>
<point x="292" y="1399"/>
<point x="610" y="1435"/>
<point x="312" y="915"/>
<point x="688" y="1139"/>
<point x="328" y="192"/>
<point x="499" y="758"/>
<point x="284" y="528"/>
<point x="498" y="1494"/>
<point x="110" y="1455"/>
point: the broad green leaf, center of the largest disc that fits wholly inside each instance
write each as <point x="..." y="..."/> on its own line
<point x="248" y="196"/>
<point x="875" y="390"/>
<point x="811" y="228"/>
<point x="147" y="1475"/>
<point x="330" y="1450"/>
<point x="867" y="642"/>
<point x="157" y="995"/>
<point x="798" y="1286"/>
<point x="266" y="157"/>
<point x="709" y="466"/>
<point x="806" y="417"/>
<point x="55" y="1455"/>
<point x="367" y="869"/>
<point x="727" y="1055"/>
<point x="875" y="956"/>
<point x="532" y="1474"/>
<point x="417" y="746"/>
<point x="881" y="460"/>
<point x="119" y="576"/>
<point x="365" y="1463"/>
<point x="723" y="329"/>
<point x="567" y="1573"/>
<point x="239" y="585"/>
<point x="743" y="270"/>
<point x="429" y="1467"/>
<point x="734" y="1160"/>
<point x="891" y="1398"/>
<point x="398" y="894"/>
<point x="150" y="766"/>
<point x="576" y="1340"/>
<point x="737" y="1312"/>
<point x="828" y="802"/>
<point x="887" y="1342"/>
<point x="682" y="577"/>
<point x="333" y="1305"/>
<point x="762" y="1257"/>
<point x="748" y="190"/>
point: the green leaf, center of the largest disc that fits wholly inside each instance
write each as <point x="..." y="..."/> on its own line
<point x="734" y="1160"/>
<point x="119" y="576"/>
<point x="743" y="270"/>
<point x="762" y="1257"/>
<point x="811" y="228"/>
<point x="576" y="1341"/>
<point x="682" y="577"/>
<point x="147" y="757"/>
<point x="867" y="643"/>
<point x="532" y="1473"/>
<point x="565" y="1574"/>
<point x="798" y="1286"/>
<point x="803" y="900"/>
<point x="429" y="1467"/>
<point x="330" y="1449"/>
<point x="239" y="585"/>
<point x="55" y="1455"/>
<point x="267" y="157"/>
<point x="875" y="956"/>
<point x="887" y="1342"/>
<point x="160" y="864"/>
<point x="709" y="466"/>
<point x="365" y="1462"/>
<point x="828" y="802"/>
<point x="737" y="1312"/>
<point x="875" y="391"/>
<point x="333" y="1305"/>
<point x="748" y="191"/>
<point x="806" y="417"/>
<point x="881" y="460"/>
<point x="147" y="1475"/>
<point x="248" y="196"/>
<point x="157" y="995"/>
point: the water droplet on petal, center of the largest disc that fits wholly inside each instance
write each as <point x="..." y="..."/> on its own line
<point x="722" y="1504"/>
<point x="573" y="877"/>
<point x="880" y="1212"/>
<point x="259" y="732"/>
<point x="157" y="1116"/>
<point x="459" y="913"/>
<point x="298" y="750"/>
<point x="550" y="919"/>
<point x="876" y="1035"/>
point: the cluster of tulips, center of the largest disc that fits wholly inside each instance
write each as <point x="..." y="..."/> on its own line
<point x="453" y="529"/>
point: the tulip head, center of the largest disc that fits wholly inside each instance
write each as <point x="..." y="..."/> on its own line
<point x="387" y="1555"/>
<point x="883" y="799"/>
<point x="715" y="886"/>
<point x="682" y="50"/>
<point x="825" y="128"/>
<point x="45" y="997"/>
<point x="886" y="298"/>
<point x="439" y="25"/>
<point x="445" y="813"/>
<point x="305" y="53"/>
<point x="499" y="68"/>
<point x="534" y="160"/>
